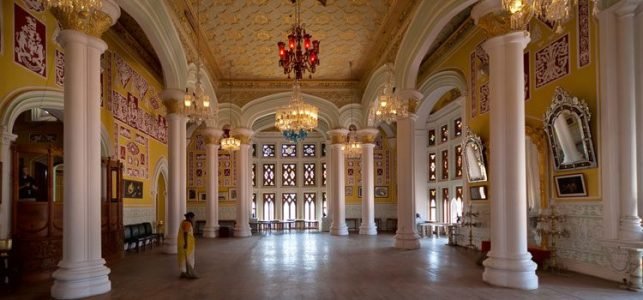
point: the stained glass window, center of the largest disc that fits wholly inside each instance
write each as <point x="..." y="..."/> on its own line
<point x="457" y="127"/>
<point x="433" y="204"/>
<point x="458" y="204"/>
<point x="289" y="150"/>
<point x="254" y="150"/>
<point x="254" y="205"/>
<point x="268" y="150"/>
<point x="289" y="174"/>
<point x="444" y="133"/>
<point x="269" y="206"/>
<point x="309" y="206"/>
<point x="324" y="174"/>
<point x="309" y="150"/>
<point x="445" y="205"/>
<point x="253" y="174"/>
<point x="269" y="174"/>
<point x="323" y="150"/>
<point x="309" y="174"/>
<point x="432" y="137"/>
<point x="289" y="206"/>
<point x="458" y="161"/>
<point x="445" y="164"/>
<point x="432" y="167"/>
<point x="324" y="204"/>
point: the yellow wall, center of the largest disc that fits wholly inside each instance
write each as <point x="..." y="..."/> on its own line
<point x="15" y="79"/>
<point x="384" y="158"/>
<point x="580" y="82"/>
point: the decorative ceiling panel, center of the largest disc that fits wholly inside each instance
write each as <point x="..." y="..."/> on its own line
<point x="246" y="32"/>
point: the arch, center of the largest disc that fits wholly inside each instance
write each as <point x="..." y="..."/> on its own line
<point x="25" y="100"/>
<point x="429" y="19"/>
<point x="231" y="114"/>
<point x="205" y="81"/>
<point x="264" y="106"/>
<point x="154" y="18"/>
<point x="434" y="87"/>
<point x="268" y="121"/>
<point x="351" y="114"/>
<point x="160" y="169"/>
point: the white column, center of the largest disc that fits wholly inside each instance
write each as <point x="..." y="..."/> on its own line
<point x="212" y="186"/>
<point x="82" y="271"/>
<point x="327" y="221"/>
<point x="509" y="264"/>
<point x="367" y="137"/>
<point x="336" y="179"/>
<point x="5" y="207"/>
<point x="176" y="122"/>
<point x="244" y="192"/>
<point x="630" y="223"/>
<point x="421" y="174"/>
<point x="406" y="236"/>
<point x="183" y="168"/>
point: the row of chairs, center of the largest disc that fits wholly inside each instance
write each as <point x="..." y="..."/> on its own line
<point x="140" y="235"/>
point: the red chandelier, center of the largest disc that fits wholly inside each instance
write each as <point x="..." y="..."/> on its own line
<point x="301" y="55"/>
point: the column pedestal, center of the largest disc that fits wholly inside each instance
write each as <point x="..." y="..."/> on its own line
<point x="336" y="177"/>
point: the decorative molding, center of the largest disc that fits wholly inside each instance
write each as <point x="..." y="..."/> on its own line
<point x="552" y="62"/>
<point x="583" y="34"/>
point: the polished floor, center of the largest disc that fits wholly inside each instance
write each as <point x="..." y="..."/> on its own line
<point x="319" y="266"/>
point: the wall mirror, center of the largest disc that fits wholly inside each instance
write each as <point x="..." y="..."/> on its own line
<point x="474" y="158"/>
<point x="570" y="138"/>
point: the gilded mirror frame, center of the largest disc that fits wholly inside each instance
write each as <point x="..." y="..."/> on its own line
<point x="561" y="102"/>
<point x="474" y="142"/>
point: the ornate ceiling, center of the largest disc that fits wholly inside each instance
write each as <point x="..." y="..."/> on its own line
<point x="245" y="33"/>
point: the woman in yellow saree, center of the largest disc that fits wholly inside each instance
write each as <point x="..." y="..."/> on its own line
<point x="185" y="245"/>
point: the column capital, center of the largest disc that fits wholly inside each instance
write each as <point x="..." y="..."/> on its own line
<point x="338" y="136"/>
<point x="172" y="100"/>
<point x="520" y="37"/>
<point x="6" y="138"/>
<point x="96" y="25"/>
<point x="243" y="134"/>
<point x="212" y="135"/>
<point x="412" y="98"/>
<point x="491" y="16"/>
<point x="367" y="135"/>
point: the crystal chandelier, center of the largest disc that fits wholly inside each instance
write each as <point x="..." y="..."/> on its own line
<point x="196" y="105"/>
<point x="297" y="118"/>
<point x="84" y="7"/>
<point x="230" y="143"/>
<point x="388" y="105"/>
<point x="553" y="11"/>
<point x="294" y="58"/>
<point x="352" y="148"/>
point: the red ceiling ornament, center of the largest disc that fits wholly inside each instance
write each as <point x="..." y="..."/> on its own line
<point x="302" y="53"/>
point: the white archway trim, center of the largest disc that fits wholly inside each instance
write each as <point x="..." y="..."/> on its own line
<point x="267" y="105"/>
<point x="27" y="100"/>
<point x="205" y="81"/>
<point x="373" y="88"/>
<point x="159" y="169"/>
<point x="434" y="87"/>
<point x="351" y="114"/>
<point x="154" y="18"/>
<point x="231" y="114"/>
<point x="106" y="143"/>
<point x="429" y="19"/>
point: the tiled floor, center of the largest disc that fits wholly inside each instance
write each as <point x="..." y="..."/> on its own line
<point x="320" y="266"/>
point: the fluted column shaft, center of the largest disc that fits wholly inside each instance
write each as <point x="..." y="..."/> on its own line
<point x="367" y="137"/>
<point x="212" y="186"/>
<point x="82" y="271"/>
<point x="337" y="184"/>
<point x="244" y="191"/>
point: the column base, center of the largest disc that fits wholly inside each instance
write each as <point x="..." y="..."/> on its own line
<point x="630" y="229"/>
<point x="368" y="229"/>
<point x="169" y="245"/>
<point x="408" y="241"/>
<point x="81" y="279"/>
<point x="341" y="229"/>
<point x="244" y="231"/>
<point x="211" y="232"/>
<point x="514" y="273"/>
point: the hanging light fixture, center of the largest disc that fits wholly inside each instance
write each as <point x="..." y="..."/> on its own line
<point x="352" y="148"/>
<point x="557" y="12"/>
<point x="388" y="105"/>
<point x="297" y="118"/>
<point x="230" y="143"/>
<point x="302" y="54"/>
<point x="196" y="105"/>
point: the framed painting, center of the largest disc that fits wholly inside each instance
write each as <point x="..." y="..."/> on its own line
<point x="381" y="192"/>
<point x="132" y="189"/>
<point x="191" y="195"/>
<point x="571" y="185"/>
<point x="232" y="194"/>
<point x="222" y="196"/>
<point x="348" y="191"/>
<point x="478" y="192"/>
<point x="203" y="196"/>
